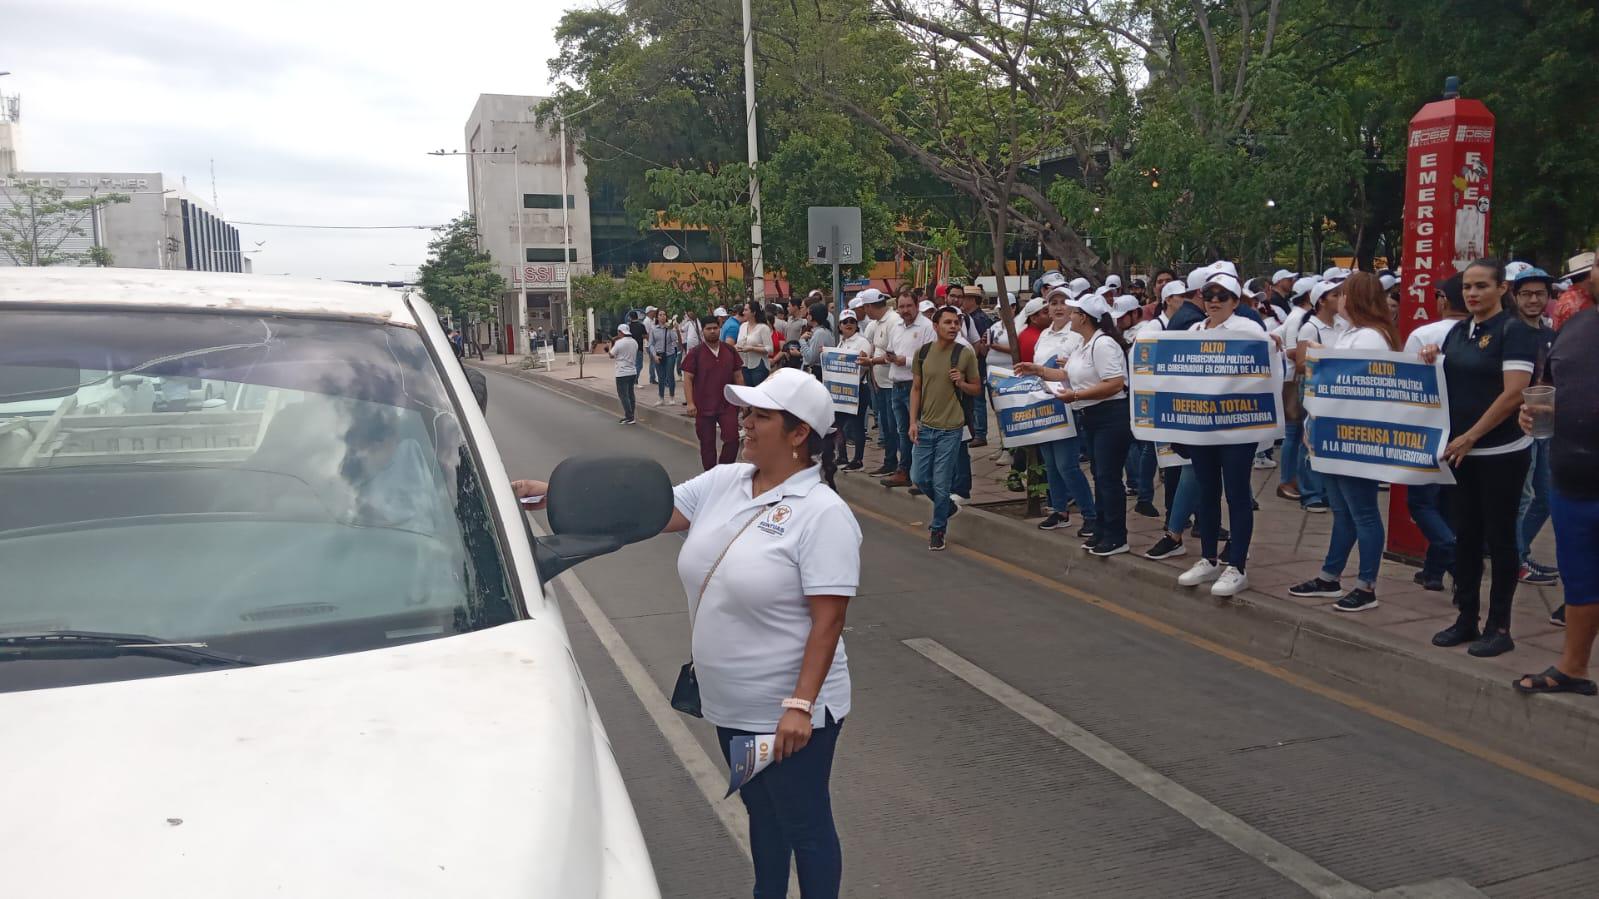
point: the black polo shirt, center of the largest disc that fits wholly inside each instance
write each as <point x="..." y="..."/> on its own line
<point x="1476" y="358"/>
<point x="1573" y="368"/>
<point x="1192" y="314"/>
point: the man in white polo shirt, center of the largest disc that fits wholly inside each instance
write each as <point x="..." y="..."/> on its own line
<point x="878" y="331"/>
<point x="916" y="331"/>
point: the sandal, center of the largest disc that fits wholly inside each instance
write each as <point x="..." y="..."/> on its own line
<point x="1553" y="680"/>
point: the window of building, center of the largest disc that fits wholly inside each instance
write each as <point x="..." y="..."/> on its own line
<point x="548" y="254"/>
<point x="545" y="201"/>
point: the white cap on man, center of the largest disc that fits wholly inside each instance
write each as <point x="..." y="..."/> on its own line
<point x="926" y="306"/>
<point x="1033" y="307"/>
<point x="1113" y="281"/>
<point x="1051" y="278"/>
<point x="1335" y="274"/>
<point x="622" y="330"/>
<point x="1080" y="286"/>
<point x="788" y="390"/>
<point x="1176" y="287"/>
<point x="721" y="312"/>
<point x="1282" y="274"/>
<point x="1126" y="304"/>
<point x="1197" y="278"/>
<point x="866" y="298"/>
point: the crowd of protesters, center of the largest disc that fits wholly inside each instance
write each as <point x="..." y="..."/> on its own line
<point x="924" y="357"/>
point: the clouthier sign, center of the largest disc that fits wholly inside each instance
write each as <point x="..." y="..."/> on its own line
<point x="1206" y="388"/>
<point x="841" y="372"/>
<point x="1378" y="415"/>
<point x="1028" y="412"/>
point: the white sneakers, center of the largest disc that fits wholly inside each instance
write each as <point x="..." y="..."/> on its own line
<point x="1229" y="580"/>
<point x="1232" y="581"/>
<point x="1202" y="571"/>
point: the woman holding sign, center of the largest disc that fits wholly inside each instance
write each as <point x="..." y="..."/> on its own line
<point x="1223" y="468"/>
<point x="1356" y="517"/>
<point x="1488" y="360"/>
<point x="852" y="428"/>
<point x="1054" y="346"/>
<point x="1096" y="376"/>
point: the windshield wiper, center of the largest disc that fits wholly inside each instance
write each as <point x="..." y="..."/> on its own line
<point x="95" y="645"/>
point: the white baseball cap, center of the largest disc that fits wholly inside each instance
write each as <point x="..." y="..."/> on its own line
<point x="1336" y="273"/>
<point x="1113" y="281"/>
<point x="926" y="306"/>
<point x="1092" y="305"/>
<point x="1051" y="278"/>
<point x="869" y="296"/>
<point x="1174" y="287"/>
<point x="1303" y="285"/>
<point x="1513" y="270"/>
<point x="789" y="390"/>
<point x="721" y="312"/>
<point x="1197" y="278"/>
<point x="1389" y="282"/>
<point x="1080" y="286"/>
<point x="1058" y="290"/>
<point x="1282" y="273"/>
<point x="1033" y="307"/>
<point x="848" y="315"/>
<point x="1226" y="282"/>
<point x="621" y="329"/>
<point x="1126" y="304"/>
<point x="648" y="309"/>
<point x="1321" y="289"/>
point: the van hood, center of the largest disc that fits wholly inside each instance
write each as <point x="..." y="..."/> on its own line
<point x="463" y="766"/>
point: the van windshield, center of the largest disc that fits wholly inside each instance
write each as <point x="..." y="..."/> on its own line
<point x="272" y="488"/>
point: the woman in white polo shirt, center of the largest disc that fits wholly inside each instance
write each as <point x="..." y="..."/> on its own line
<point x="1062" y="458"/>
<point x="770" y="562"/>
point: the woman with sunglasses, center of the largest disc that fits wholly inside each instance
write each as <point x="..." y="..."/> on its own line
<point x="1488" y="360"/>
<point x="1223" y="468"/>
<point x="1096" y="375"/>
<point x="1356" y="517"/>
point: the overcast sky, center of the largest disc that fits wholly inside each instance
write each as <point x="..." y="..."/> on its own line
<point x="315" y="112"/>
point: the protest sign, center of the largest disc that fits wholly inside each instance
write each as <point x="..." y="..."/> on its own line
<point x="1376" y="414"/>
<point x="748" y="755"/>
<point x="1027" y="411"/>
<point x="841" y="372"/>
<point x="1206" y="388"/>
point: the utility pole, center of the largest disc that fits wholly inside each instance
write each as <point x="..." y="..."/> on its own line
<point x="757" y="265"/>
<point x="566" y="252"/>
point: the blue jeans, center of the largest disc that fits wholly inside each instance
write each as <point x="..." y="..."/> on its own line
<point x="933" y="470"/>
<point x="902" y="423"/>
<point x="754" y="376"/>
<point x="887" y="434"/>
<point x="1141" y="468"/>
<point x="791" y="814"/>
<point x="1293" y="451"/>
<point x="666" y="375"/>
<point x="1312" y="484"/>
<point x="1107" y="429"/>
<point x="1066" y="481"/>
<point x="1180" y="513"/>
<point x="1534" y="511"/>
<point x="1355" y="519"/>
<point x="1225" y="469"/>
<point x="1425" y="502"/>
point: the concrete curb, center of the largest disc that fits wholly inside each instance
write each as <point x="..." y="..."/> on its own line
<point x="1449" y="692"/>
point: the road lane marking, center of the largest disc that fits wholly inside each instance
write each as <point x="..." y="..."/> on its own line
<point x="707" y="775"/>
<point x="1383" y="713"/>
<point x="1300" y="869"/>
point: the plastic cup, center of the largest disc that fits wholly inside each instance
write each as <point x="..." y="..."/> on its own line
<point x="1540" y="402"/>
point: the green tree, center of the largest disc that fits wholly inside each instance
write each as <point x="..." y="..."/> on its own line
<point x="715" y="198"/>
<point x="810" y="170"/>
<point x="37" y="221"/>
<point x="457" y="277"/>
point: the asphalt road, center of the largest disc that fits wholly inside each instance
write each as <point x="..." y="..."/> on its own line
<point x="1010" y="740"/>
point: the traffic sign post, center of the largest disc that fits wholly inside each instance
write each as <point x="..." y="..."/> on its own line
<point x="834" y="238"/>
<point x="1448" y="191"/>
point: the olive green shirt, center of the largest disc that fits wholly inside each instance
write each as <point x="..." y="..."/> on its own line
<point x="941" y="400"/>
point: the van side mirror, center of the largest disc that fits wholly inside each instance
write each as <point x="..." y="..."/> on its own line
<point x="599" y="504"/>
<point x="480" y="387"/>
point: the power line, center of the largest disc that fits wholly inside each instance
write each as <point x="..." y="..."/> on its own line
<point x="339" y="227"/>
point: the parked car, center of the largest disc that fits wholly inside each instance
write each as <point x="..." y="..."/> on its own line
<point x="293" y="639"/>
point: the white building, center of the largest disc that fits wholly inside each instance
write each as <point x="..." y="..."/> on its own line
<point x="517" y="198"/>
<point x="159" y="227"/>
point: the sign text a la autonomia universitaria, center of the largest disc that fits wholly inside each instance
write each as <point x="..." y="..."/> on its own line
<point x="1028" y="412"/>
<point x="1206" y="388"/>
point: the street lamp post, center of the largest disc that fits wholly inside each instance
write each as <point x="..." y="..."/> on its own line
<point x="519" y="269"/>
<point x="757" y="264"/>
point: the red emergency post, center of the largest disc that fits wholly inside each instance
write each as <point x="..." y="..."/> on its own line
<point x="1448" y="201"/>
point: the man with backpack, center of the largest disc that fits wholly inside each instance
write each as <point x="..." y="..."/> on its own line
<point x="943" y="374"/>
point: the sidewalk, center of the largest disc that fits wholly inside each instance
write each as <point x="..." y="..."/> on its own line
<point x="1288" y="547"/>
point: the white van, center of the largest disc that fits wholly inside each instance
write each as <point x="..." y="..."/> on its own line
<point x="299" y="646"/>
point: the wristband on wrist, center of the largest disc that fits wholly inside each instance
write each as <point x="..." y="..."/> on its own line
<point x="802" y="705"/>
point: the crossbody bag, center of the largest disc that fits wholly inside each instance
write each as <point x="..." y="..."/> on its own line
<point x="686" y="692"/>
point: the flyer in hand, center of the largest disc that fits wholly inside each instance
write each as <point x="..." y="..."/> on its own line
<point x="749" y="755"/>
